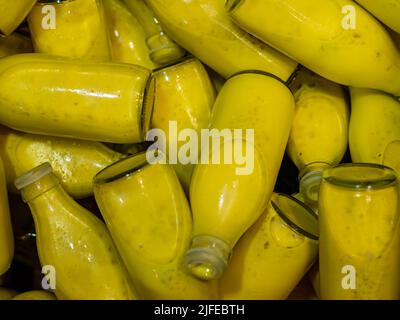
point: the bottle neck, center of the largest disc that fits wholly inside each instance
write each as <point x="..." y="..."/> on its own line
<point x="39" y="187"/>
<point x="310" y="180"/>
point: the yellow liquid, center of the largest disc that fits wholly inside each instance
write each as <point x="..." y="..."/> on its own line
<point x="6" y="235"/>
<point x="149" y="218"/>
<point x="205" y="30"/>
<point x="79" y="32"/>
<point x="268" y="262"/>
<point x="387" y="11"/>
<point x="77" y="244"/>
<point x="183" y="93"/>
<point x="360" y="228"/>
<point x="75" y="162"/>
<point x="13" y="44"/>
<point x="374" y="124"/>
<point x="225" y="204"/>
<point x="73" y="98"/>
<point x="14" y="12"/>
<point x="255" y="101"/>
<point x="312" y="33"/>
<point x="127" y="37"/>
<point x="320" y="126"/>
<point x="35" y="295"/>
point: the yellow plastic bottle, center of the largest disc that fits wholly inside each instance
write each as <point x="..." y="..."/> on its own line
<point x="127" y="36"/>
<point x="225" y="204"/>
<point x="6" y="234"/>
<point x="71" y="28"/>
<point x="149" y="218"/>
<point x="73" y="241"/>
<point x="35" y="295"/>
<point x="183" y="98"/>
<point x="74" y="162"/>
<point x="100" y="101"/>
<point x="387" y="11"/>
<point x="7" y="294"/>
<point x="13" y="13"/>
<point x="163" y="50"/>
<point x="204" y="29"/>
<point x="337" y="39"/>
<point x="319" y="134"/>
<point x="359" y="233"/>
<point x="274" y="254"/>
<point x="13" y="44"/>
<point x="374" y="126"/>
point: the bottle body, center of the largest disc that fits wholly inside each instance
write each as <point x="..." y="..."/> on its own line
<point x="322" y="41"/>
<point x="78" y="30"/>
<point x="233" y="201"/>
<point x="387" y="11"/>
<point x="319" y="134"/>
<point x="359" y="233"/>
<point x="6" y="233"/>
<point x="96" y="101"/>
<point x="148" y="216"/>
<point x="16" y="13"/>
<point x="74" y="162"/>
<point x="254" y="100"/>
<point x="127" y="37"/>
<point x="272" y="257"/>
<point x="373" y="126"/>
<point x="183" y="99"/>
<point x="205" y="30"/>
<point x="73" y="241"/>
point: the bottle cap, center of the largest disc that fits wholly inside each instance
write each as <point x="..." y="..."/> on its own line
<point x="33" y="175"/>
<point x="208" y="257"/>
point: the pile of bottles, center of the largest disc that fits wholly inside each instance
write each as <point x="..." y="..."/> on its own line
<point x="203" y="149"/>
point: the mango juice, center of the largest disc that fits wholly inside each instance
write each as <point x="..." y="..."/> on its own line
<point x="204" y="28"/>
<point x="227" y="197"/>
<point x="74" y="162"/>
<point x="149" y="218"/>
<point x="274" y="254"/>
<point x="387" y="11"/>
<point x="183" y="99"/>
<point x="319" y="134"/>
<point x="359" y="233"/>
<point x="73" y="28"/>
<point x="73" y="241"/>
<point x="374" y="125"/>
<point x="337" y="39"/>
<point x="100" y="101"/>
<point x="127" y="36"/>
<point x="259" y="101"/>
